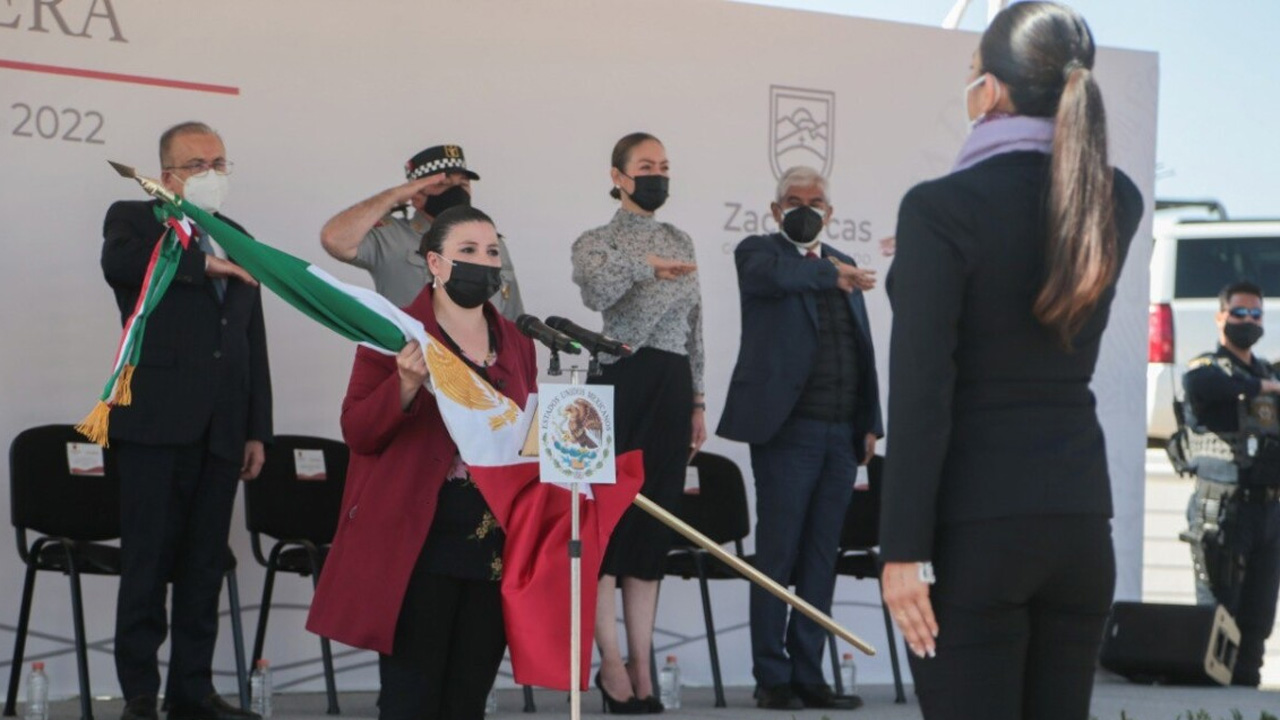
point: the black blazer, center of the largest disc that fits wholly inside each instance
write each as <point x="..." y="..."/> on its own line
<point x="778" y="288"/>
<point x="988" y="415"/>
<point x="204" y="363"/>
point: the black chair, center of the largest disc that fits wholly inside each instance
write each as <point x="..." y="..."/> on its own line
<point x="858" y="559"/>
<point x="74" y="515"/>
<point x="301" y="514"/>
<point x="719" y="511"/>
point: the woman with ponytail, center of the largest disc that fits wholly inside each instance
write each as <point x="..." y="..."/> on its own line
<point x="996" y="536"/>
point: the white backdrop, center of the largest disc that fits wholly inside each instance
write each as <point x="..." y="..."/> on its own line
<point x="328" y="103"/>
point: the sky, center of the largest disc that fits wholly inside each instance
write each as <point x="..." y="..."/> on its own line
<point x="1219" y="113"/>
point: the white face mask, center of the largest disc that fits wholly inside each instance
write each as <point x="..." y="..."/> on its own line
<point x="964" y="103"/>
<point x="208" y="190"/>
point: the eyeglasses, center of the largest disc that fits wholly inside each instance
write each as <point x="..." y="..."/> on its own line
<point x="196" y="167"/>
<point x="1244" y="312"/>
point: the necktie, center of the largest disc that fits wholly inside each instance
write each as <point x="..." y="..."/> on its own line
<point x="209" y="247"/>
<point x="811" y="255"/>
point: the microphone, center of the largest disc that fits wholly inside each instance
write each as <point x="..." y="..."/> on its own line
<point x="594" y="342"/>
<point x="534" y="328"/>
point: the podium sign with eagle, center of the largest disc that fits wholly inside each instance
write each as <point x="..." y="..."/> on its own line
<point x="575" y="433"/>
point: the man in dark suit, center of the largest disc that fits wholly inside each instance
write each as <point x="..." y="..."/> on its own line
<point x="804" y="393"/>
<point x="200" y="414"/>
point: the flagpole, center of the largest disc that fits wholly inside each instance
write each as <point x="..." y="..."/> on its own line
<point x="751" y="573"/>
<point x="575" y="590"/>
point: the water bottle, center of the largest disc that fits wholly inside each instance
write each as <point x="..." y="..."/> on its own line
<point x="491" y="702"/>
<point x="669" y="684"/>
<point x="37" y="694"/>
<point x="260" y="689"/>
<point x="848" y="674"/>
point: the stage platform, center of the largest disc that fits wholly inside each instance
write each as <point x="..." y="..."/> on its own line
<point x="1112" y="696"/>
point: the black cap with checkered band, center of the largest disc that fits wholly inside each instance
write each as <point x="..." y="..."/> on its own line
<point x="436" y="159"/>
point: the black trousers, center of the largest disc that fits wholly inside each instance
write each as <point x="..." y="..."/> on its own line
<point x="1020" y="604"/>
<point x="175" y="513"/>
<point x="448" y="646"/>
<point x="1252" y="533"/>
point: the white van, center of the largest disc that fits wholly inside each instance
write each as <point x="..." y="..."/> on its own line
<point x="1191" y="261"/>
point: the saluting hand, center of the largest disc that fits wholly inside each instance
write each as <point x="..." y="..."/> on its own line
<point x="852" y="277"/>
<point x="216" y="267"/>
<point x="412" y="366"/>
<point x="907" y="597"/>
<point x="668" y="269"/>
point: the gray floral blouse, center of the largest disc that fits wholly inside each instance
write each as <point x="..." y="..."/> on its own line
<point x="610" y="266"/>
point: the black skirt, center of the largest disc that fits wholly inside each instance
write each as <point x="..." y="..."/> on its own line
<point x="653" y="410"/>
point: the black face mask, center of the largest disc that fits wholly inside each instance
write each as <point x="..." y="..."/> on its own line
<point x="1242" y="335"/>
<point x="454" y="196"/>
<point x="470" y="284"/>
<point x="650" y="192"/>
<point x="801" y="225"/>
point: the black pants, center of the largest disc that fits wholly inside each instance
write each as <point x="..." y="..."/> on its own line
<point x="175" y="513"/>
<point x="1020" y="604"/>
<point x="1252" y="535"/>
<point x="448" y="646"/>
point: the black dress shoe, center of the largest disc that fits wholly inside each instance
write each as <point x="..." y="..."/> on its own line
<point x="212" y="708"/>
<point x="631" y="706"/>
<point x="777" y="697"/>
<point x="142" y="707"/>
<point x="822" y="696"/>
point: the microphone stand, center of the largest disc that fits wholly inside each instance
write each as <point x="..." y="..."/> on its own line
<point x="575" y="559"/>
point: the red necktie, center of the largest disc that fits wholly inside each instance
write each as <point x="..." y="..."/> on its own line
<point x="811" y="255"/>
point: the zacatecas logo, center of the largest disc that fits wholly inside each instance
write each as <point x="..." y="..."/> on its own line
<point x="802" y="129"/>
<point x="75" y="19"/>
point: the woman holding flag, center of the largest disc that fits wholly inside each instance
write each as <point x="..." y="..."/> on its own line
<point x="414" y="568"/>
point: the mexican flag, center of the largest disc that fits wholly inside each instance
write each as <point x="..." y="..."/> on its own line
<point x="488" y="428"/>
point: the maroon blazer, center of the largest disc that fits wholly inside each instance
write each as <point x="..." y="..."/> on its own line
<point x="398" y="464"/>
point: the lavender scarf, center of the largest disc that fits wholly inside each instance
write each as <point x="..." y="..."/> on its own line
<point x="1004" y="134"/>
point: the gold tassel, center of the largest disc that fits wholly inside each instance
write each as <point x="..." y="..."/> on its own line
<point x="124" y="386"/>
<point x="94" y="425"/>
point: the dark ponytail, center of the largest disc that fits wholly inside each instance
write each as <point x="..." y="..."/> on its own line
<point x="1044" y="53"/>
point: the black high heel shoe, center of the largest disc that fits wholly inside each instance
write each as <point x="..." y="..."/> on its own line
<point x="630" y="706"/>
<point x="652" y="705"/>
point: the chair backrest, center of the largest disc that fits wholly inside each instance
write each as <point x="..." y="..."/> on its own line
<point x="719" y="508"/>
<point x="47" y="496"/>
<point x="296" y="497"/>
<point x="861" y="529"/>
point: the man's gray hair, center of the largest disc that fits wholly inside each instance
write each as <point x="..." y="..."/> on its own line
<point x="799" y="176"/>
<point x="190" y="127"/>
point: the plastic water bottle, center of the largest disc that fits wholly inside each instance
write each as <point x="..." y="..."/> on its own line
<point x="669" y="684"/>
<point x="491" y="702"/>
<point x="848" y="674"/>
<point x="260" y="688"/>
<point x="37" y="694"/>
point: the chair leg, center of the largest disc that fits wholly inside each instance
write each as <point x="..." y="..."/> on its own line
<point x="237" y="637"/>
<point x="835" y="664"/>
<point x="899" y="696"/>
<point x="529" y="707"/>
<point x="20" y="641"/>
<point x="326" y="651"/>
<point x="260" y="636"/>
<point x="82" y="646"/>
<point x="700" y="562"/>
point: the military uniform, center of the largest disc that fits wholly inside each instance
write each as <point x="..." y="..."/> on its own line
<point x="390" y="252"/>
<point x="1233" y="445"/>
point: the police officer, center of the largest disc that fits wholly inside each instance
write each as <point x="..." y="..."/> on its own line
<point x="1235" y="449"/>
<point x="438" y="179"/>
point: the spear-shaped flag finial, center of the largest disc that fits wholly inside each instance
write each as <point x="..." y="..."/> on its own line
<point x="153" y="188"/>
